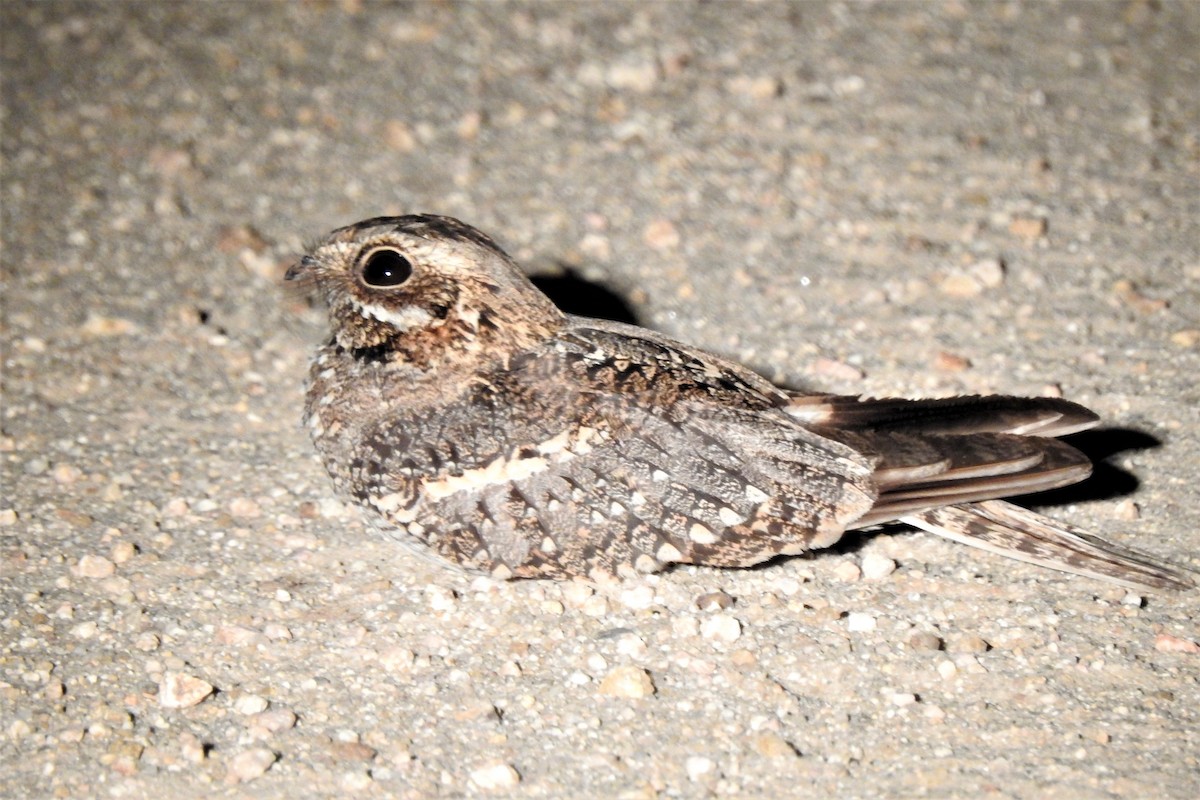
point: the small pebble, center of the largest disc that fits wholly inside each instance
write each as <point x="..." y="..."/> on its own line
<point x="638" y="75"/>
<point x="277" y="632"/>
<point x="250" y="704"/>
<point x="925" y="641"/>
<point x="237" y="635"/>
<point x="100" y="326"/>
<point x="968" y="644"/>
<point x="627" y="681"/>
<point x="177" y="690"/>
<point x="85" y="630"/>
<point x="274" y="720"/>
<point x="192" y="749"/>
<point x="960" y="284"/>
<point x="1166" y="643"/>
<point x="876" y="566"/>
<point x="760" y="87"/>
<point x="858" y="622"/>
<point x="352" y="751"/>
<point x="1188" y="337"/>
<point x="951" y="362"/>
<point x="774" y="746"/>
<point x="66" y="474"/>
<point x="639" y="598"/>
<point x="94" y="567"/>
<point x="989" y="272"/>
<point x="244" y="508"/>
<point x="847" y="572"/>
<point x="575" y="594"/>
<point x="632" y="645"/>
<point x="441" y="598"/>
<point x="698" y="767"/>
<point x="596" y="606"/>
<point x="249" y="764"/>
<point x="495" y="776"/>
<point x="1129" y="294"/>
<point x="1127" y="510"/>
<point x="836" y="370"/>
<point x="721" y="628"/>
<point x="396" y="658"/>
<point x="176" y="507"/>
<point x="147" y="642"/>
<point x="122" y="552"/>
<point x="1028" y="228"/>
<point x="398" y="136"/>
<point x="743" y="658"/>
<point x="713" y="601"/>
<point x="356" y="780"/>
<point x="661" y="235"/>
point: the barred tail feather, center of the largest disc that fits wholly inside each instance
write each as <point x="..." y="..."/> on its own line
<point x="1008" y="530"/>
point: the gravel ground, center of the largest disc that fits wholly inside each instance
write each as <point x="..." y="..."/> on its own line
<point x="870" y="198"/>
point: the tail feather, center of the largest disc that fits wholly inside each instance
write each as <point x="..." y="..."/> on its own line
<point x="1006" y="529"/>
<point x="1028" y="416"/>
<point x="941" y="466"/>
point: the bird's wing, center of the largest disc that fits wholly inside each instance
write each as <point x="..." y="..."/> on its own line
<point x="608" y="453"/>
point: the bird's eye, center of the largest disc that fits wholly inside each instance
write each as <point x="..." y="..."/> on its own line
<point x="384" y="268"/>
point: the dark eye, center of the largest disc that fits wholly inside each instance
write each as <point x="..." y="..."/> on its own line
<point x="385" y="268"/>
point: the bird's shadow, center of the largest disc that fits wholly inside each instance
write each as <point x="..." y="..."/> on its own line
<point x="1102" y="446"/>
<point x="574" y="294"/>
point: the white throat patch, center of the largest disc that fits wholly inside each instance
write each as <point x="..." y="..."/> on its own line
<point x="403" y="319"/>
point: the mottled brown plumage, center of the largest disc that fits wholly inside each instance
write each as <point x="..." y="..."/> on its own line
<point x="466" y="413"/>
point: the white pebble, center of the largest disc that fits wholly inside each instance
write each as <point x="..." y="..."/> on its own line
<point x="847" y="571"/>
<point x="627" y="681"/>
<point x="858" y="622"/>
<point x="85" y="630"/>
<point x="244" y="508"/>
<point x="183" y="691"/>
<point x="638" y="598"/>
<point x="249" y="764"/>
<point x="721" y="628"/>
<point x="632" y="645"/>
<point x="441" y="598"/>
<point x="94" y="567"/>
<point x="575" y="594"/>
<point x="495" y="776"/>
<point x="250" y="704"/>
<point x="876" y="566"/>
<point x="698" y="767"/>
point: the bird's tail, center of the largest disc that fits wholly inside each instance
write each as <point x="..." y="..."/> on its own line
<point x="1009" y="530"/>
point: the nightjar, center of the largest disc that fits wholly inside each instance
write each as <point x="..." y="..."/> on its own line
<point x="469" y="416"/>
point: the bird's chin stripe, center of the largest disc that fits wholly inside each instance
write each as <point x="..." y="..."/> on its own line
<point x="404" y="319"/>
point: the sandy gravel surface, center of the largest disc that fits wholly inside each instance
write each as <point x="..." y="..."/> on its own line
<point x="871" y="198"/>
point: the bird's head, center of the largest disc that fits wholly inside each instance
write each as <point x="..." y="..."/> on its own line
<point x="419" y="289"/>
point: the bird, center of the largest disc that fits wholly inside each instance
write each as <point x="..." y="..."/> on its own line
<point x="474" y="421"/>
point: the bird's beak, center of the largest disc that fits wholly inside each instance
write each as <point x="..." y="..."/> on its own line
<point x="301" y="269"/>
